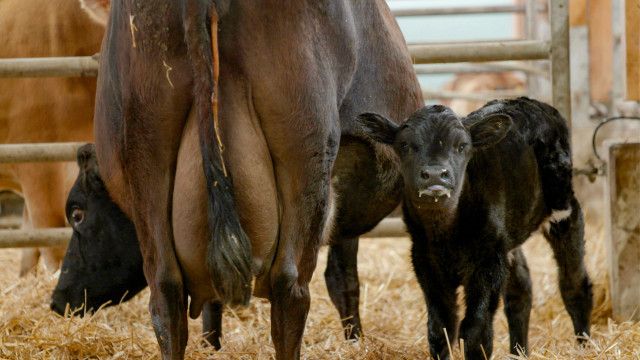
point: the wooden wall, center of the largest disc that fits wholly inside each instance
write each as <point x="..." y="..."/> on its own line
<point x="632" y="34"/>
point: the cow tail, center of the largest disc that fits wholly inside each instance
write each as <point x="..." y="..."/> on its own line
<point x="229" y="249"/>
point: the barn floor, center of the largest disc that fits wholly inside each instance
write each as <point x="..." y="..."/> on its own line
<point x="392" y="310"/>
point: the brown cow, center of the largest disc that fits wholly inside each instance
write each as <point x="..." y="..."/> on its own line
<point x="479" y="83"/>
<point x="45" y="109"/>
<point x="292" y="77"/>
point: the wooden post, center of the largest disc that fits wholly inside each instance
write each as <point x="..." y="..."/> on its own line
<point x="632" y="32"/>
<point x="600" y="49"/>
<point x="622" y="203"/>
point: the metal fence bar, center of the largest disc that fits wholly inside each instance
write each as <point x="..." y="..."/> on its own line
<point x="483" y="96"/>
<point x="10" y="222"/>
<point x="388" y="227"/>
<point x="480" y="51"/>
<point x="459" y="10"/>
<point x="560" y="65"/>
<point x="40" y="152"/>
<point x="35" y="238"/>
<point x="71" y="66"/>
<point x="478" y="68"/>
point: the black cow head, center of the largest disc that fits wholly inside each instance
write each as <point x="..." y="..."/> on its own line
<point x="103" y="263"/>
<point x="435" y="146"/>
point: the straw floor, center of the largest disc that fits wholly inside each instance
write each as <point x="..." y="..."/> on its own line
<point x="392" y="309"/>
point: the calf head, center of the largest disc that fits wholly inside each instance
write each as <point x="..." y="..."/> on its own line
<point x="103" y="263"/>
<point x="435" y="146"/>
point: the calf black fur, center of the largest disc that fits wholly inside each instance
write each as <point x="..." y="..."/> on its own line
<point x="475" y="188"/>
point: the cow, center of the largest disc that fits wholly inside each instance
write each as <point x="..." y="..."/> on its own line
<point x="225" y="132"/>
<point x="45" y="109"/>
<point x="103" y="264"/>
<point x="479" y="83"/>
<point x="99" y="225"/>
<point x="475" y="188"/>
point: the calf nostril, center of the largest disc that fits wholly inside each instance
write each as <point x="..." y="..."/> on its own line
<point x="444" y="174"/>
<point x="425" y="174"/>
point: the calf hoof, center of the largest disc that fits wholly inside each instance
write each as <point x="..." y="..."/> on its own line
<point x="352" y="332"/>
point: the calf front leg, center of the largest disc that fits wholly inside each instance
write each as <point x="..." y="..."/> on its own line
<point x="440" y="296"/>
<point x="482" y="294"/>
<point x="341" y="277"/>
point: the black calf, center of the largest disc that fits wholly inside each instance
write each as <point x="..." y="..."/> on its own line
<point x="475" y="188"/>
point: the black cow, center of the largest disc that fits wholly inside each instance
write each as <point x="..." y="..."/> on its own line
<point x="475" y="188"/>
<point x="103" y="247"/>
<point x="103" y="263"/>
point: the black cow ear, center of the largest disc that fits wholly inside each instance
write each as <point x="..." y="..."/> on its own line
<point x="377" y="127"/>
<point x="86" y="157"/>
<point x="489" y="130"/>
<point x="89" y="174"/>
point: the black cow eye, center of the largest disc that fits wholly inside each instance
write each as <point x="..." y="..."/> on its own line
<point x="77" y="216"/>
<point x="461" y="147"/>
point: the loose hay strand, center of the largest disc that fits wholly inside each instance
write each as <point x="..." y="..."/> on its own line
<point x="393" y="315"/>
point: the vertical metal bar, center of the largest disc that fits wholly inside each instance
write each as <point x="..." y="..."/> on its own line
<point x="560" y="68"/>
<point x="531" y="15"/>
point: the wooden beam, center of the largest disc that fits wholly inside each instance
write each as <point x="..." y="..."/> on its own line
<point x="578" y="12"/>
<point x="600" y="18"/>
<point x="632" y="34"/>
<point x="622" y="201"/>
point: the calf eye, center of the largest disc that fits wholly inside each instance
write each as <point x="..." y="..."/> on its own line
<point x="461" y="147"/>
<point x="77" y="216"/>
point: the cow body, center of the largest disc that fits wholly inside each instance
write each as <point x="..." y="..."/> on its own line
<point x="475" y="189"/>
<point x="45" y="109"/>
<point x="292" y="76"/>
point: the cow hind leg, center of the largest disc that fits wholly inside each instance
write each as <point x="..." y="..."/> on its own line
<point x="517" y="301"/>
<point x="341" y="277"/>
<point x="43" y="209"/>
<point x="29" y="260"/>
<point x="212" y="323"/>
<point x="151" y="204"/>
<point x="30" y="256"/>
<point x="566" y="237"/>
<point x="304" y="184"/>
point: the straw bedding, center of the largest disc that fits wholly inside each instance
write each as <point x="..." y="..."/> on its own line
<point x="392" y="310"/>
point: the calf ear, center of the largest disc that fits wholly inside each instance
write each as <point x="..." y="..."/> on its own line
<point x="489" y="130"/>
<point x="377" y="127"/>
<point x="98" y="10"/>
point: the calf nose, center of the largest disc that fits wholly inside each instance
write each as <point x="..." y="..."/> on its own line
<point x="435" y="173"/>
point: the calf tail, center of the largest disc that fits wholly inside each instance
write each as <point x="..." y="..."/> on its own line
<point x="554" y="160"/>
<point x="229" y="249"/>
